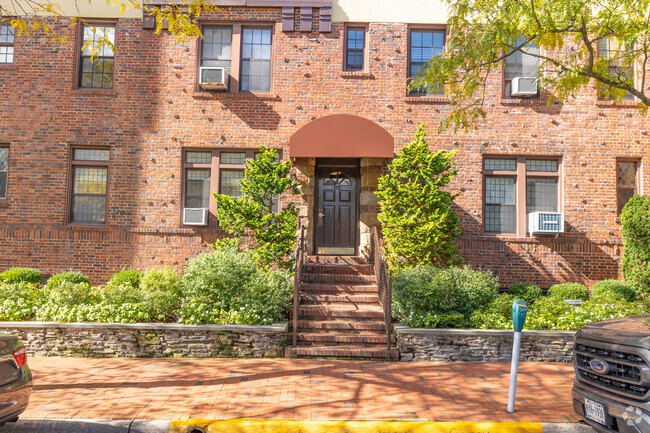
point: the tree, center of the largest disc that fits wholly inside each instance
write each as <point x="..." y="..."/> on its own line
<point x="418" y="223"/>
<point x="568" y="33"/>
<point x="635" y="221"/>
<point x="179" y="18"/>
<point x="252" y="214"/>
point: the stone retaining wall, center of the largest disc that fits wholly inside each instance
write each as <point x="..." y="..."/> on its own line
<point x="149" y="340"/>
<point x="416" y="344"/>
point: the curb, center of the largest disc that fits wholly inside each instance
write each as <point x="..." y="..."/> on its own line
<point x="273" y="426"/>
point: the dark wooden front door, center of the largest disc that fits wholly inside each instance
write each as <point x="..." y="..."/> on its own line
<point x="337" y="214"/>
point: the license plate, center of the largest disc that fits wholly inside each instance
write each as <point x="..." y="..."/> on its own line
<point x="595" y="411"/>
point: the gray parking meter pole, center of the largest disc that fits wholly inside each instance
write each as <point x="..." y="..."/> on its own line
<point x="519" y="310"/>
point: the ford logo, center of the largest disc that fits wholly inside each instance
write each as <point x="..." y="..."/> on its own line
<point x="599" y="366"/>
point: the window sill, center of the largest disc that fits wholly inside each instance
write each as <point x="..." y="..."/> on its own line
<point x="356" y="74"/>
<point x="523" y="101"/>
<point x="8" y="66"/>
<point x="93" y="227"/>
<point x="231" y="95"/>
<point x="426" y="99"/>
<point x="608" y="103"/>
<point x="95" y="92"/>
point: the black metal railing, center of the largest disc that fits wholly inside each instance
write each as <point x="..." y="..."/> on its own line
<point x="384" y="283"/>
<point x="300" y="251"/>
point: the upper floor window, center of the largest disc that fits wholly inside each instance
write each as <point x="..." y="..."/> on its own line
<point x="523" y="67"/>
<point x="216" y="47"/>
<point x="97" y="57"/>
<point x="4" y="171"/>
<point x="89" y="185"/>
<point x="256" y="59"/>
<point x="6" y="43"/>
<point x="626" y="182"/>
<point x="355" y="47"/>
<point x="506" y="179"/>
<point x="610" y="48"/>
<point x="424" y="45"/>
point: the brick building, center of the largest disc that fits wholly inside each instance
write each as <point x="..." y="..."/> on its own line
<point x="98" y="161"/>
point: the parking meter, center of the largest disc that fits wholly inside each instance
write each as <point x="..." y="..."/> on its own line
<point x="519" y="310"/>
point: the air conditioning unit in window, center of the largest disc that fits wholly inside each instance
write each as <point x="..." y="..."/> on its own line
<point x="545" y="222"/>
<point x="213" y="78"/>
<point x="195" y="216"/>
<point x="523" y="86"/>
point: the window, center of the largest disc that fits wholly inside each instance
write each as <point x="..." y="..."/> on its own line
<point x="4" y="171"/>
<point x="520" y="64"/>
<point x="256" y="59"/>
<point x="506" y="180"/>
<point x="6" y="43"/>
<point x="89" y="182"/>
<point x="355" y="41"/>
<point x="216" y="47"/>
<point x="424" y="45"/>
<point x="626" y="182"/>
<point x="98" y="72"/>
<point x="610" y="48"/>
<point x="213" y="170"/>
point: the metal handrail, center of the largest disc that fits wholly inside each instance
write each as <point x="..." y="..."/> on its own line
<point x="297" y="279"/>
<point x="384" y="282"/>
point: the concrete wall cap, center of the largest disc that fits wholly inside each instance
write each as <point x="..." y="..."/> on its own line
<point x="280" y="327"/>
<point x="406" y="329"/>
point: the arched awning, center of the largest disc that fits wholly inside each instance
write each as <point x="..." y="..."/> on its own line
<point x="341" y="136"/>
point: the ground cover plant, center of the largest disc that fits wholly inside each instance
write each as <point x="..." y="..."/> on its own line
<point x="227" y="286"/>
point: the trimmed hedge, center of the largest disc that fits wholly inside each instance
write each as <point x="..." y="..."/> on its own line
<point x="615" y="288"/>
<point x="21" y="275"/>
<point x="68" y="277"/>
<point x="526" y="291"/>
<point x="569" y="291"/>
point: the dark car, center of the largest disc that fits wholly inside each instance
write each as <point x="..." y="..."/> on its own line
<point x="15" y="379"/>
<point x="612" y="385"/>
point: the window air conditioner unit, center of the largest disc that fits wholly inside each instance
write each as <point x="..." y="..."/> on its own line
<point x="545" y="222"/>
<point x="524" y="86"/>
<point x="195" y="216"/>
<point x="213" y="78"/>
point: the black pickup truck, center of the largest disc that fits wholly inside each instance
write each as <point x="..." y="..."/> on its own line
<point x="612" y="386"/>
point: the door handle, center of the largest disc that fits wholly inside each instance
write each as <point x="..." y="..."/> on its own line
<point x="321" y="215"/>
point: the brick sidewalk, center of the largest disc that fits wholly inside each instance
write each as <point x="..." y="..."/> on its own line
<point x="296" y="389"/>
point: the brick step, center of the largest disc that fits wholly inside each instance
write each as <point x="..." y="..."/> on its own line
<point x="347" y="260"/>
<point x="309" y="298"/>
<point x="339" y="325"/>
<point x="337" y="278"/>
<point x="339" y="268"/>
<point x="342" y="352"/>
<point x="361" y="338"/>
<point x="367" y="312"/>
<point x="338" y="289"/>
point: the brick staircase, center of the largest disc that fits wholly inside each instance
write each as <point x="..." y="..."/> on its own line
<point x="339" y="313"/>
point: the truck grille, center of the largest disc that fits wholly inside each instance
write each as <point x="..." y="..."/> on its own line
<point x="624" y="367"/>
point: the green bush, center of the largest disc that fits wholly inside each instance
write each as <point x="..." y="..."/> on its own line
<point x="429" y="297"/>
<point x="68" y="277"/>
<point x="66" y="293"/>
<point x="20" y="301"/>
<point x="526" y="291"/>
<point x="130" y="277"/>
<point x="618" y="289"/>
<point x="569" y="291"/>
<point x="228" y="286"/>
<point x="497" y="315"/>
<point x="635" y="221"/>
<point x="162" y="279"/>
<point x="21" y="275"/>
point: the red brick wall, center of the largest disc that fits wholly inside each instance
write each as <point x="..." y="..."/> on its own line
<point x="153" y="111"/>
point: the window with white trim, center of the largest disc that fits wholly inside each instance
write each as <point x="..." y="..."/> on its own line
<point x="4" y="171"/>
